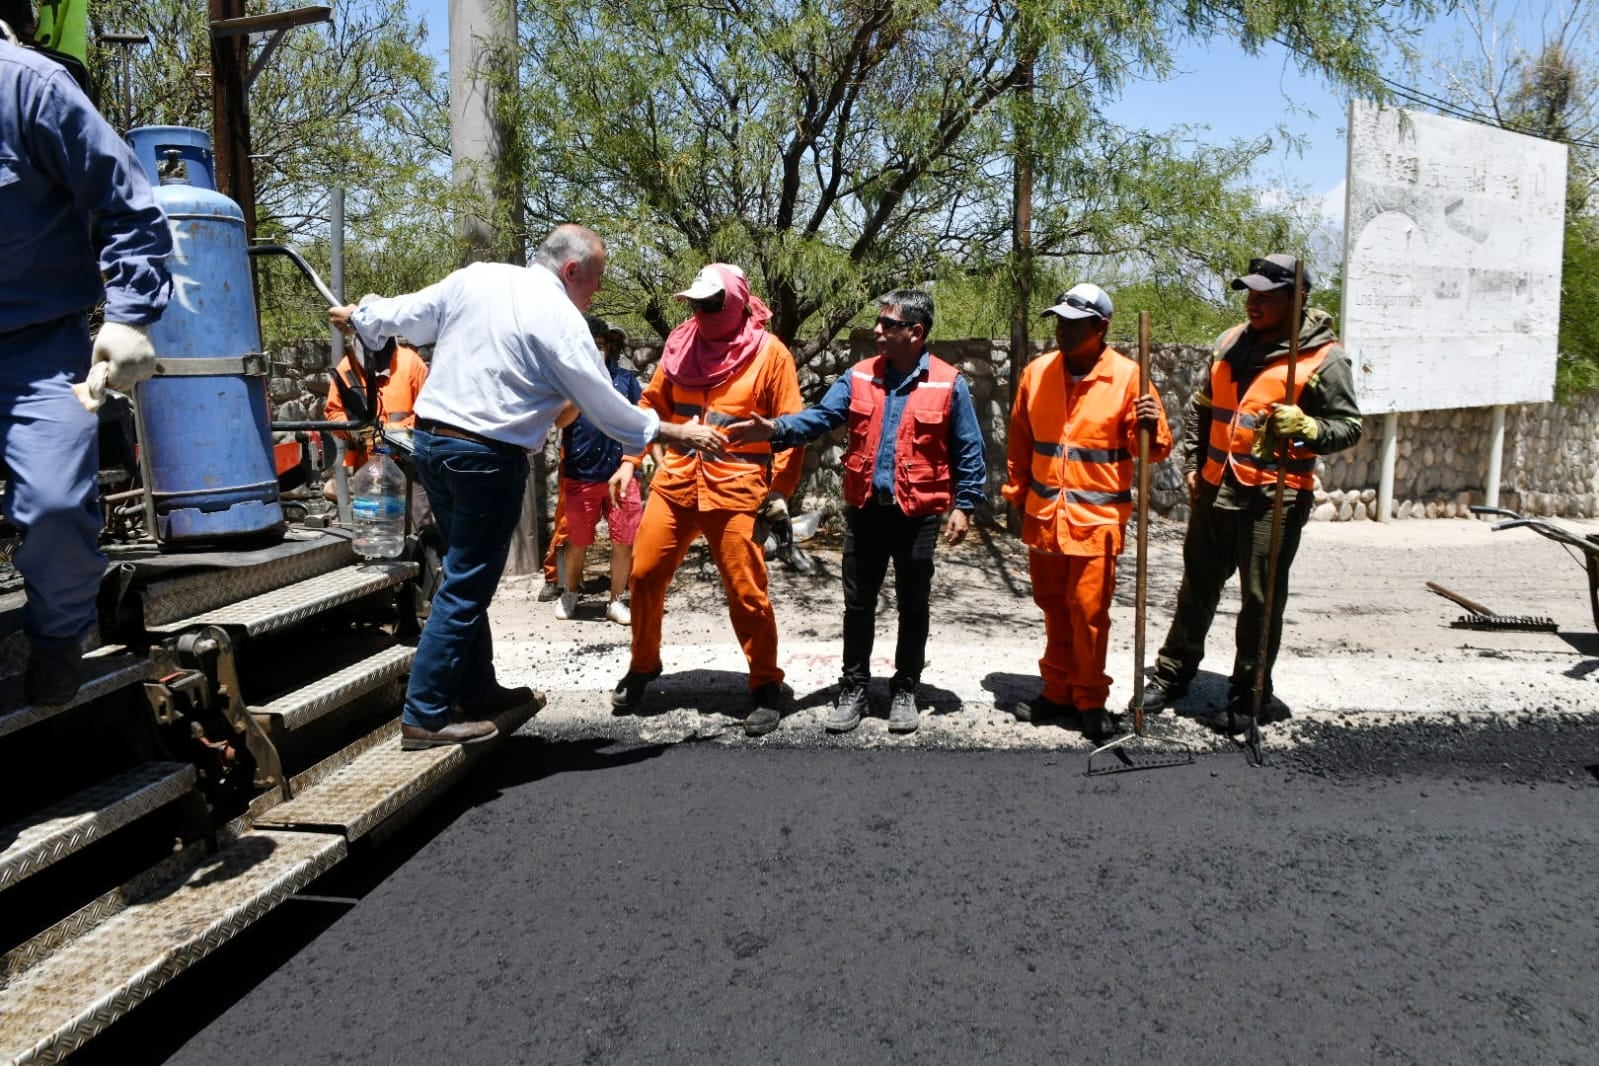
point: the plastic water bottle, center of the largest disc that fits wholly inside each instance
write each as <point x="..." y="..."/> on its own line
<point x="378" y="507"/>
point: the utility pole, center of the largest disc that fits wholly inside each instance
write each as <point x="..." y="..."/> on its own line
<point x="230" y="111"/>
<point x="483" y="58"/>
<point x="1022" y="232"/>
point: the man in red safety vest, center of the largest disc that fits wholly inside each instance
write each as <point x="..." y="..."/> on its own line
<point x="1237" y="424"/>
<point x="914" y="454"/>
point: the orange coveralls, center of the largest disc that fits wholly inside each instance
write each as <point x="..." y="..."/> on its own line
<point x="691" y="495"/>
<point x="1069" y="469"/>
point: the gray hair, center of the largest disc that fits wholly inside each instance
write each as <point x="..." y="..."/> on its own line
<point x="915" y="306"/>
<point x="570" y="243"/>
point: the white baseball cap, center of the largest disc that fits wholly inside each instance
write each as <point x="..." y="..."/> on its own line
<point x="708" y="282"/>
<point x="1081" y="301"/>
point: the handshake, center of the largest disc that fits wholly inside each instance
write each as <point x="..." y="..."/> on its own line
<point x="123" y="357"/>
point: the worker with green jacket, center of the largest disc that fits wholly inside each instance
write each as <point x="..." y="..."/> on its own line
<point x="1244" y="431"/>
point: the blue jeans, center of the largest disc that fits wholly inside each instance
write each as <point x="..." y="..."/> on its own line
<point x="49" y="443"/>
<point x="476" y="493"/>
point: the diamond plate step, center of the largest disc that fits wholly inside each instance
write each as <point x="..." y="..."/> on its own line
<point x="63" y="999"/>
<point x="76" y="822"/>
<point x="303" y="706"/>
<point x="372" y="786"/>
<point x="103" y="673"/>
<point x="295" y="603"/>
<point x="377" y="780"/>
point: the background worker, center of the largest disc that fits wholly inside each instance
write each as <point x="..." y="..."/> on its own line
<point x="400" y="378"/>
<point x="1236" y="422"/>
<point x="914" y="455"/>
<point x="594" y="486"/>
<point x="79" y="224"/>
<point x="510" y="350"/>
<point x="1069" y="472"/>
<point x="719" y="367"/>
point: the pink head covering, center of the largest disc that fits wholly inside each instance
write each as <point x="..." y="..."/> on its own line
<point x="712" y="346"/>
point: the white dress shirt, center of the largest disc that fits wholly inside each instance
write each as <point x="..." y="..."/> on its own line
<point x="509" y="349"/>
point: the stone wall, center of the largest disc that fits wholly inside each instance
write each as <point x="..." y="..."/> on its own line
<point x="1550" y="464"/>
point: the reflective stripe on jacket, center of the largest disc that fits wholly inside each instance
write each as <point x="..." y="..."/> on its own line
<point x="923" y="484"/>
<point x="1071" y="453"/>
<point x="1234" y="419"/>
<point x="767" y="386"/>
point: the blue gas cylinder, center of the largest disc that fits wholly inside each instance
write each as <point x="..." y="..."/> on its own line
<point x="203" y="420"/>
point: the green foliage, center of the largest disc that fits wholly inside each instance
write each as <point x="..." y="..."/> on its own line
<point x="840" y="148"/>
<point x="357" y="103"/>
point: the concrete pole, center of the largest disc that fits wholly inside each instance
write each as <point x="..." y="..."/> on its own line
<point x="1496" y="451"/>
<point x="1390" y="449"/>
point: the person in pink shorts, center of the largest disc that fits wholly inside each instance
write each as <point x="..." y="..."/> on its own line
<point x="595" y="485"/>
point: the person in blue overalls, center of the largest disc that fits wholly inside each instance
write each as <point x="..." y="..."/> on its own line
<point x="80" y="222"/>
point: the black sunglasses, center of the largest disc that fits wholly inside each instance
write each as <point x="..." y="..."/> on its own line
<point x="1072" y="300"/>
<point x="893" y="323"/>
<point x="710" y="304"/>
<point x="1271" y="271"/>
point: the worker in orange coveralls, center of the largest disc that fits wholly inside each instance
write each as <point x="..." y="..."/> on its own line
<point x="1069" y="465"/>
<point x="400" y="380"/>
<point x="720" y="367"/>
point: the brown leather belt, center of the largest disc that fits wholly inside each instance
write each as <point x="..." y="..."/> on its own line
<point x="439" y="429"/>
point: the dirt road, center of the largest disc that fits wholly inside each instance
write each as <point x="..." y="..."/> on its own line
<point x="1365" y="643"/>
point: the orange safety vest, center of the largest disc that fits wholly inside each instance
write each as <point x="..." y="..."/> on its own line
<point x="1234" y="419"/>
<point x="922" y="481"/>
<point x="1080" y="452"/>
<point x="397" y="393"/>
<point x="767" y="386"/>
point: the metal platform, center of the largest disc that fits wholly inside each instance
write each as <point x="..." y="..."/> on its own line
<point x="103" y="674"/>
<point x="182" y="584"/>
<point x="303" y="706"/>
<point x="145" y="937"/>
<point x="282" y="607"/>
<point x="378" y="780"/>
<point x="57" y="831"/>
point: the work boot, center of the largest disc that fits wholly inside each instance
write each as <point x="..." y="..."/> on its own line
<point x="902" y="716"/>
<point x="1039" y="710"/>
<point x="549" y="592"/>
<point x="53" y="675"/>
<point x="845" y="714"/>
<point x="496" y="701"/>
<point x="629" y="691"/>
<point x="767" y="713"/>
<point x="1233" y="719"/>
<point x="1160" y="693"/>
<point x="415" y="738"/>
<point x="1098" y="724"/>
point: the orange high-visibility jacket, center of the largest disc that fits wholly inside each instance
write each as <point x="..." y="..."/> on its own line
<point x="1233" y="420"/>
<point x="922" y="480"/>
<point x="1069" y="457"/>
<point x="766" y="386"/>
<point x="397" y="394"/>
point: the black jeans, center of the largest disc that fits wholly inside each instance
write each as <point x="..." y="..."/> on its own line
<point x="874" y="535"/>
<point x="1218" y="544"/>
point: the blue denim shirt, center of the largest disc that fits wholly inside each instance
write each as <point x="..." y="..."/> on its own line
<point x="965" y="441"/>
<point x="75" y="205"/>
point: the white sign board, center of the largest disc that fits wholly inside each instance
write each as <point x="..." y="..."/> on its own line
<point x="1452" y="242"/>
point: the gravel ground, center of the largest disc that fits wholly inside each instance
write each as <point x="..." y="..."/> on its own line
<point x="1410" y="878"/>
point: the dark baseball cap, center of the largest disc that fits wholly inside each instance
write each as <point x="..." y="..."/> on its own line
<point x="1273" y="272"/>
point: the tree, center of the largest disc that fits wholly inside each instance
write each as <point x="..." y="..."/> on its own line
<point x="838" y="148"/>
<point x="358" y="103"/>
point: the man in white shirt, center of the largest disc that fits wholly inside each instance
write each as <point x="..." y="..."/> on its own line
<point x="511" y="349"/>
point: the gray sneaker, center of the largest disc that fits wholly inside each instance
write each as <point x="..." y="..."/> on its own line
<point x="845" y="714"/>
<point x="902" y="717"/>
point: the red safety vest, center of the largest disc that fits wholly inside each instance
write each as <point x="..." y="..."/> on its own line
<point x="922" y="479"/>
<point x="1233" y="419"/>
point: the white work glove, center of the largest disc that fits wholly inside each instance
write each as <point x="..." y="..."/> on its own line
<point x="128" y="352"/>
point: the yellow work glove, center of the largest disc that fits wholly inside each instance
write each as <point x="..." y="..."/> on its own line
<point x="1266" y="442"/>
<point x="1290" y="422"/>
